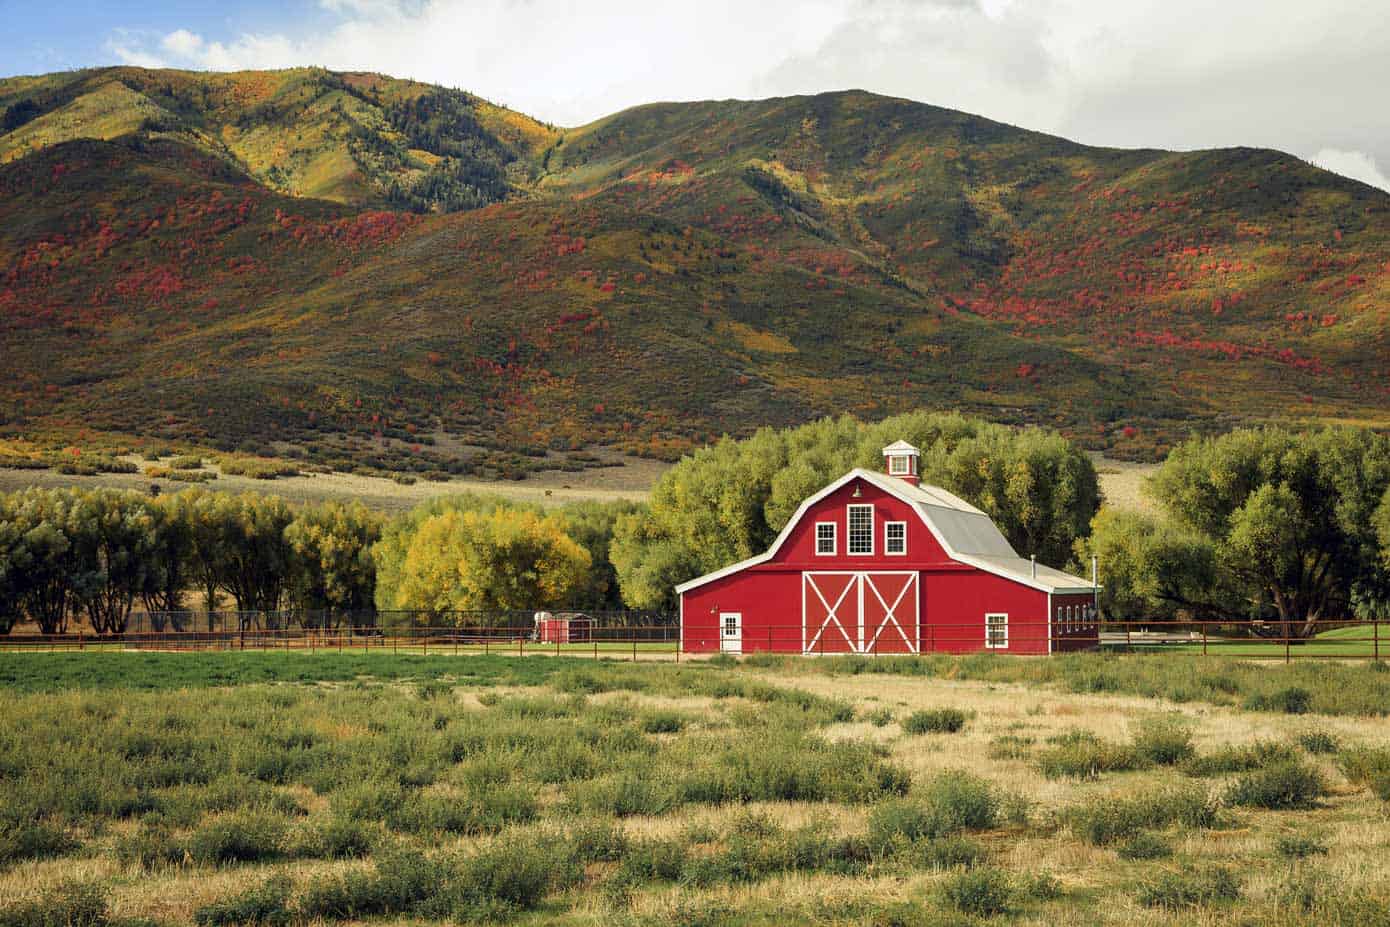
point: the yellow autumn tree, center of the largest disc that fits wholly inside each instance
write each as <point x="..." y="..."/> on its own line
<point x="503" y="559"/>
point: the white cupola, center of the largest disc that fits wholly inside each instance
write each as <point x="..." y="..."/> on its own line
<point x="900" y="458"/>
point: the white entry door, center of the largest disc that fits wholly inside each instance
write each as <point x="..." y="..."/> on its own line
<point x="730" y="632"/>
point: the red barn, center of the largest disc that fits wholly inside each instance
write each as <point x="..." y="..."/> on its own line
<point x="875" y="563"/>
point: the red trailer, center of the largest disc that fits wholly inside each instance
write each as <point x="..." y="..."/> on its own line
<point x="876" y="563"/>
<point x="563" y="628"/>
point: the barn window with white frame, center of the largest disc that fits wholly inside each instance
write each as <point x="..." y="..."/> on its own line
<point x="825" y="538"/>
<point x="861" y="529"/>
<point x="996" y="630"/>
<point x="895" y="537"/>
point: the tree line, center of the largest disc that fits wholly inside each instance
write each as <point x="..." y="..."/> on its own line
<point x="1291" y="527"/>
<point x="1265" y="523"/>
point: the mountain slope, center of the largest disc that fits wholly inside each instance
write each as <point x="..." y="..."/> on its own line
<point x="651" y="280"/>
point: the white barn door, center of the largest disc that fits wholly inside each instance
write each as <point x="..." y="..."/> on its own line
<point x="846" y="611"/>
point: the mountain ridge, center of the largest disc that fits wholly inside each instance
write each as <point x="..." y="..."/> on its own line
<point x="545" y="289"/>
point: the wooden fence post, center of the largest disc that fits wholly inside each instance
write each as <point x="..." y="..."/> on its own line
<point x="1375" y="637"/>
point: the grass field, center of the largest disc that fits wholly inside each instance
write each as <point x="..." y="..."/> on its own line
<point x="1352" y="641"/>
<point x="219" y="789"/>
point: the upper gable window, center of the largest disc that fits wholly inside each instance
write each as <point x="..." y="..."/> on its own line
<point x="861" y="529"/>
<point x="895" y="537"/>
<point x="825" y="538"/>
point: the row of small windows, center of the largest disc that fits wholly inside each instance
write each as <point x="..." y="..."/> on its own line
<point x="1076" y="618"/>
<point x="859" y="520"/>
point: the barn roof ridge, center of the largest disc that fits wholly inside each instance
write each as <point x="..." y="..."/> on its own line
<point x="955" y="523"/>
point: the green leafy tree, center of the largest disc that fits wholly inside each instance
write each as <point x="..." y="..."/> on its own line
<point x="331" y="548"/>
<point x="44" y="566"/>
<point x="111" y="534"/>
<point x="397" y="536"/>
<point x="1151" y="569"/>
<point x="591" y="525"/>
<point x="1292" y="516"/>
<point x="205" y="522"/>
<point x="14" y="565"/>
<point x="171" y="566"/>
<point x="256" y="557"/>
<point x="503" y="559"/>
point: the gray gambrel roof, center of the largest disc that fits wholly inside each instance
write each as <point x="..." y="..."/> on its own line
<point x="964" y="532"/>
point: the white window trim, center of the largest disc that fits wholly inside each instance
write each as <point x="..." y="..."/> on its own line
<point x="834" y="539"/>
<point x="849" y="534"/>
<point x="900" y="465"/>
<point x="887" y="550"/>
<point x="1005" y="644"/>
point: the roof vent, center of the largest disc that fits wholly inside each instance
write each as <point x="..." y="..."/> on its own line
<point x="901" y="460"/>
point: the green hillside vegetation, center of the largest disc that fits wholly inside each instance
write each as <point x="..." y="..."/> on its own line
<point x="368" y="272"/>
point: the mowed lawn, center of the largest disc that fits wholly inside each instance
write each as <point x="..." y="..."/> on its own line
<point x="1351" y="642"/>
<point x="286" y="788"/>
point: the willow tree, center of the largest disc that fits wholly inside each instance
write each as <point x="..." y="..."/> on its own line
<point x="503" y="559"/>
<point x="1291" y="516"/>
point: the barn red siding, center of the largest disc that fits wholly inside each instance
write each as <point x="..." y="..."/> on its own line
<point x="1074" y="629"/>
<point x="800" y="546"/>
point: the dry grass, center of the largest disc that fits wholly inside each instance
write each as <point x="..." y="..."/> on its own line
<point x="632" y="479"/>
<point x="1098" y="887"/>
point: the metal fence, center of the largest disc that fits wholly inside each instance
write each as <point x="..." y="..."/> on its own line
<point x="656" y="636"/>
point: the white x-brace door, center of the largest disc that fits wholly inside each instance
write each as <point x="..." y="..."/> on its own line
<point x="844" y="611"/>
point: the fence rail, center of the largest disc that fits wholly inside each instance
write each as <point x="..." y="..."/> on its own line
<point x="660" y="640"/>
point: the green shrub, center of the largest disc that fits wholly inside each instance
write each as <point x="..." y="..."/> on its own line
<point x="510" y="876"/>
<point x="70" y="904"/>
<point x="1293" y="700"/>
<point x="626" y="795"/>
<point x="1080" y="754"/>
<point x="948" y="804"/>
<point x="238" y="838"/>
<point x="1144" y="845"/>
<point x="265" y="905"/>
<point x="1236" y="759"/>
<point x="1190" y="887"/>
<point x="982" y="892"/>
<point x="663" y="722"/>
<point x="1298" y="846"/>
<point x="935" y="721"/>
<point x="1281" y="786"/>
<point x="1042" y="886"/>
<point x="1108" y="819"/>
<point x="399" y="881"/>
<point x="150" y="847"/>
<point x="1163" y="742"/>
<point x="28" y="839"/>
<point x="481" y="811"/>
<point x="1318" y="742"/>
<point x="880" y="717"/>
<point x="335" y="838"/>
<point x="186" y="462"/>
<point x="655" y="860"/>
<point x="598" y="842"/>
<point x="1010" y="747"/>
<point x="1368" y="767"/>
<point x="950" y="852"/>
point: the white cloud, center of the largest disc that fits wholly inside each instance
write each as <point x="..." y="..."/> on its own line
<point x="182" y="43"/>
<point x="1168" y="73"/>
<point x="1354" y="164"/>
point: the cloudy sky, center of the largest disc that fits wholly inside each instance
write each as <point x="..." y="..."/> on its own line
<point x="1311" y="78"/>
